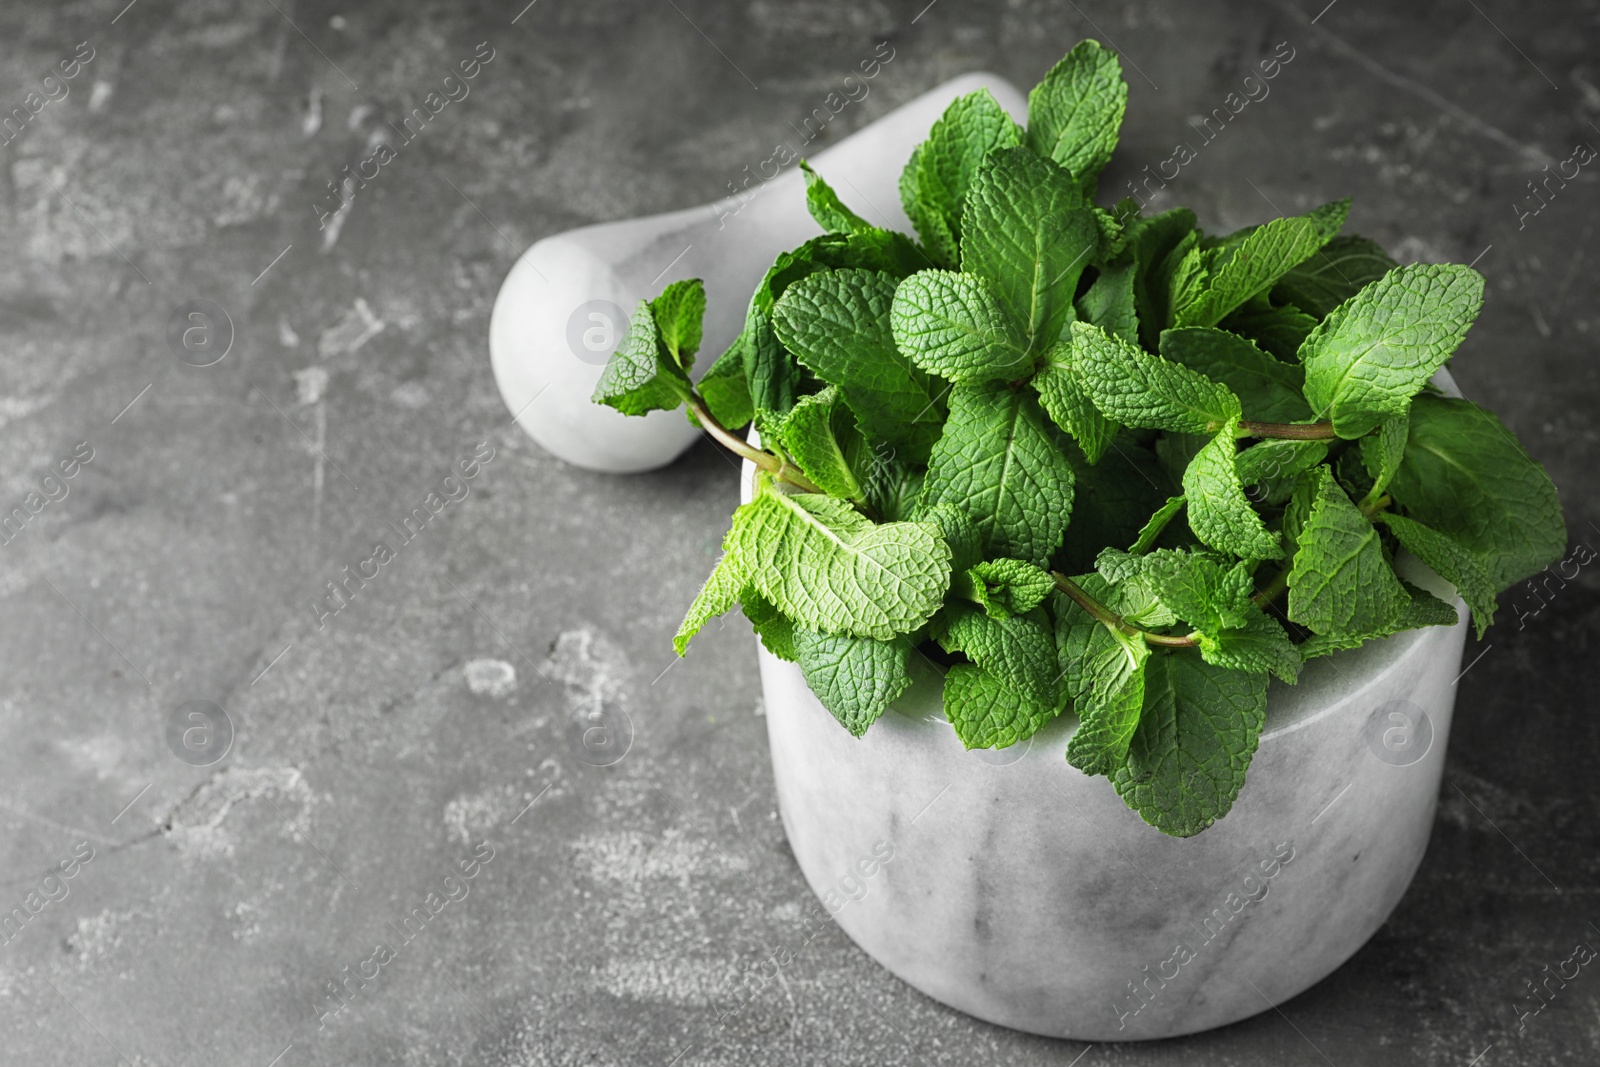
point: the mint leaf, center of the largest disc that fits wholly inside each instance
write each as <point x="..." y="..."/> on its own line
<point x="1075" y="113"/>
<point x="1260" y="646"/>
<point x="956" y="529"/>
<point x="726" y="390"/>
<point x="1452" y="561"/>
<point x="1133" y="593"/>
<point x="1175" y="451"/>
<point x="1273" y="465"/>
<point x="1371" y="355"/>
<point x="678" y="312"/>
<point x="887" y="251"/>
<point x="1076" y="637"/>
<point x="1061" y="390"/>
<point x="1116" y="566"/>
<point x="768" y="426"/>
<point x="1238" y="271"/>
<point x="826" y="567"/>
<point x="942" y="168"/>
<point x="1425" y="609"/>
<point x="922" y="208"/>
<point x="987" y="713"/>
<point x="642" y="375"/>
<point x="773" y="377"/>
<point x="1108" y="702"/>
<point x="1135" y="388"/>
<point x="837" y="324"/>
<point x="1467" y="477"/>
<point x="1341" y="582"/>
<point x="1005" y="587"/>
<point x="1302" y="495"/>
<point x="826" y="207"/>
<point x="1186" y="283"/>
<point x="996" y="461"/>
<point x="776" y="631"/>
<point x="1206" y="591"/>
<point x="892" y="488"/>
<point x="1197" y="732"/>
<point x="1102" y="671"/>
<point x="1113" y="234"/>
<point x="1109" y="302"/>
<point x="1113" y="500"/>
<point x="1330" y="218"/>
<point x="717" y="597"/>
<point x="1422" y="609"/>
<point x="1158" y="522"/>
<point x="953" y="326"/>
<point x="855" y="678"/>
<point x="1029" y="233"/>
<point x="1268" y="389"/>
<point x="817" y="434"/>
<point x="1383" y="452"/>
<point x="1150" y="240"/>
<point x="1019" y="650"/>
<point x="1219" y="513"/>
<point x="1278" y="330"/>
<point x="1333" y="275"/>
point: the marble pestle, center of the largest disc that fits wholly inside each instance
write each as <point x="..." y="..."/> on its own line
<point x="565" y="304"/>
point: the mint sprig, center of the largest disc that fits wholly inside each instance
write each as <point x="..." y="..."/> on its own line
<point x="1230" y="430"/>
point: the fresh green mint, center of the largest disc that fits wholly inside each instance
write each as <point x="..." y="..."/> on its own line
<point x="999" y="462"/>
<point x="1372" y="354"/>
<point x="1084" y="462"/>
<point x="952" y="326"/>
<point x="1075" y="113"/>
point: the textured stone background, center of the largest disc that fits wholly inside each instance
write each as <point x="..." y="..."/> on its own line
<point x="370" y="758"/>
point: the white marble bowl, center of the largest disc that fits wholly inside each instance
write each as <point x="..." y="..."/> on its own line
<point x="1024" y="892"/>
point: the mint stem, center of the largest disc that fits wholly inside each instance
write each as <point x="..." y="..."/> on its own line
<point x="1111" y="619"/>
<point x="1288" y="431"/>
<point x="778" y="468"/>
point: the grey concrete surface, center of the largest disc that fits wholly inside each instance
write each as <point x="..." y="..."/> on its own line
<point x="372" y="754"/>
